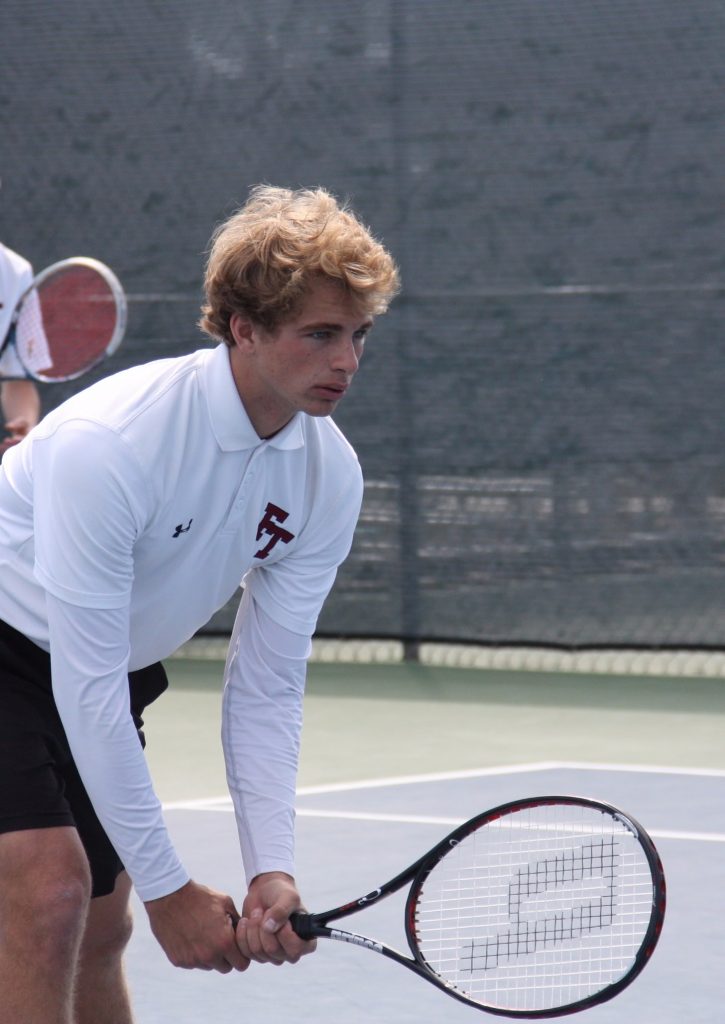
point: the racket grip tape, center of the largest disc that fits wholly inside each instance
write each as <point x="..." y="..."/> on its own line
<point x="302" y="925"/>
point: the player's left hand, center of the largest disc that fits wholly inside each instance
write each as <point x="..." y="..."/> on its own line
<point x="16" y="429"/>
<point x="264" y="933"/>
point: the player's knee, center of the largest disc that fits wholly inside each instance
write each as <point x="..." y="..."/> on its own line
<point x="109" y="926"/>
<point x="59" y="903"/>
<point x="104" y="944"/>
<point x="113" y="939"/>
<point x="45" y="879"/>
<point x="47" y="923"/>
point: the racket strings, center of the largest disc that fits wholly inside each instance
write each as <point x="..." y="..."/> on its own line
<point x="30" y="338"/>
<point x="67" y="323"/>
<point x="538" y="909"/>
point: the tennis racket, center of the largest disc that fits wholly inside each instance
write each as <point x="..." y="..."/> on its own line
<point x="71" y="317"/>
<point x="537" y="908"/>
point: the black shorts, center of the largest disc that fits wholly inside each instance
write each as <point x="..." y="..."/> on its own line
<point x="39" y="783"/>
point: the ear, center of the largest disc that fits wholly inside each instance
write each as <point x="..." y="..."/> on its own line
<point x="242" y="330"/>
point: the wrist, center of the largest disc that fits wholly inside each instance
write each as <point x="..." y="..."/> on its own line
<point x="268" y="876"/>
<point x="159" y="901"/>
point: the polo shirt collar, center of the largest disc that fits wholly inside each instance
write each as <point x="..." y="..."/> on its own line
<point x="230" y="423"/>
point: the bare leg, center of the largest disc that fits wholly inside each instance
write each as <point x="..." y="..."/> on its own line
<point x="44" y="898"/>
<point x="101" y="991"/>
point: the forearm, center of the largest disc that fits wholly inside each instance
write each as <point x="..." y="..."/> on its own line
<point x="20" y="400"/>
<point x="262" y="720"/>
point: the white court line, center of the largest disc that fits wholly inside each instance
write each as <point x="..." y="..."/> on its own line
<point x="402" y="819"/>
<point x="510" y="769"/>
<point x="694" y="837"/>
<point x="224" y="803"/>
<point x="210" y="803"/>
<point x="393" y="780"/>
<point x="412" y="819"/>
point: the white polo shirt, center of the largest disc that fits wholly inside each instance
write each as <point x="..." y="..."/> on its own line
<point x="16" y="275"/>
<point x="128" y="516"/>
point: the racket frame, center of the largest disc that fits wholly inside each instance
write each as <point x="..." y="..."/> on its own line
<point x="119" y="297"/>
<point x="309" y="926"/>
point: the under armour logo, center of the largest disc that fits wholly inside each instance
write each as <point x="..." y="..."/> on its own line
<point x="182" y="529"/>
<point x="269" y="524"/>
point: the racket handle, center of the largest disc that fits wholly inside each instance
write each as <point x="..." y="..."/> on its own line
<point x="302" y="925"/>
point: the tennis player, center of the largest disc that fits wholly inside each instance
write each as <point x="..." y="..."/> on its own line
<point x="19" y="398"/>
<point x="128" y="516"/>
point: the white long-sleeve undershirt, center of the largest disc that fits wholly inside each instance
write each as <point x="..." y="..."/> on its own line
<point x="89" y="665"/>
<point x="261" y="727"/>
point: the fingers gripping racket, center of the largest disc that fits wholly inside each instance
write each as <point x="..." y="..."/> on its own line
<point x="537" y="908"/>
<point x="72" y="316"/>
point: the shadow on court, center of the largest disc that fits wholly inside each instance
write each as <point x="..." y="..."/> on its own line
<point x="350" y="839"/>
<point x="385" y="721"/>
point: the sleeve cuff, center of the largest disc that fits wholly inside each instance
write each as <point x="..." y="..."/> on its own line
<point x="164" y="886"/>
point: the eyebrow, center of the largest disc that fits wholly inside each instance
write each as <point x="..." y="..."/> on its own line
<point x="329" y="326"/>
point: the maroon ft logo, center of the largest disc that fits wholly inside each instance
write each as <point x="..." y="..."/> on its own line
<point x="269" y="525"/>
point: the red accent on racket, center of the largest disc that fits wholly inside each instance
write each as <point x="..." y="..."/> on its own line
<point x="71" y="318"/>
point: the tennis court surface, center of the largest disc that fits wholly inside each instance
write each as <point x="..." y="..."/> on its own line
<point x="361" y="822"/>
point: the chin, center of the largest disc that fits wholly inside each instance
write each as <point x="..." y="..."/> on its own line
<point x="321" y="408"/>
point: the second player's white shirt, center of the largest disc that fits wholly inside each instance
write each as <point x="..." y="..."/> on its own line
<point x="134" y="511"/>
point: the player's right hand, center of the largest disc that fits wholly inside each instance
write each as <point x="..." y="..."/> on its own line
<point x="264" y="933"/>
<point x="16" y="431"/>
<point x="195" y="927"/>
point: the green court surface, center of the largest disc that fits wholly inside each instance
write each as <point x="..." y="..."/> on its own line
<point x="375" y="721"/>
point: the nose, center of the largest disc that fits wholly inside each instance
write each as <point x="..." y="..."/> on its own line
<point x="347" y="355"/>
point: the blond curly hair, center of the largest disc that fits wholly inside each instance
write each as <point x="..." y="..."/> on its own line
<point x="264" y="258"/>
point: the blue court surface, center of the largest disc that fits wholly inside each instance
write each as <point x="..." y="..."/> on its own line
<point x="354" y="836"/>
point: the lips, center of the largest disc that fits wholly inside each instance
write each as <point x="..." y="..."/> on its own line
<point x="332" y="390"/>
